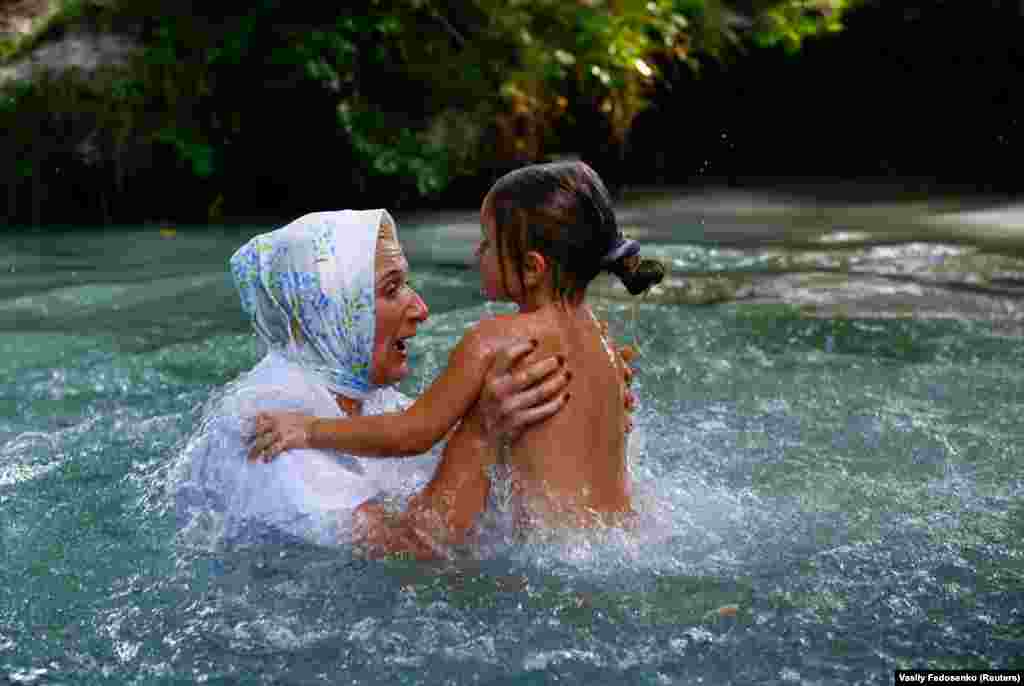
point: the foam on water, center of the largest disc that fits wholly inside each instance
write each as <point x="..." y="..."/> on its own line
<point x="821" y="502"/>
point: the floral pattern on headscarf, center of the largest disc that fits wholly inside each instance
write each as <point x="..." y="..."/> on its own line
<point x="309" y="289"/>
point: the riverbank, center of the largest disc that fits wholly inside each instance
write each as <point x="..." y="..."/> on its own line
<point x="939" y="257"/>
<point x="797" y="214"/>
<point x="933" y="257"/>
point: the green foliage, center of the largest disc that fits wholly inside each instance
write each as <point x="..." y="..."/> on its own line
<point x="191" y="148"/>
<point x="56" y="15"/>
<point x="11" y="47"/>
<point x="11" y="96"/>
<point x="402" y="154"/>
<point x="22" y="169"/>
<point x="421" y="91"/>
<point x="8" y="47"/>
<point x="790" y="23"/>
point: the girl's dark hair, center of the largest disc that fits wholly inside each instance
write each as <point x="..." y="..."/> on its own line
<point x="563" y="211"/>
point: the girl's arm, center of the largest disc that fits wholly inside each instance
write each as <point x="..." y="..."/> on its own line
<point x="411" y="432"/>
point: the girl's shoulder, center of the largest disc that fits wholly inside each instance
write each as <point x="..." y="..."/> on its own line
<point x="511" y="324"/>
<point x="489" y="334"/>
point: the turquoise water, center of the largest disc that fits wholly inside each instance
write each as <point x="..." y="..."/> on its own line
<point x="824" y="499"/>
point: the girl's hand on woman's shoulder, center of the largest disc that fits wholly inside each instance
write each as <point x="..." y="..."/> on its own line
<point x="276" y="432"/>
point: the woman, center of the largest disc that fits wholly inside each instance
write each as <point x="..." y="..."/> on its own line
<point x="329" y="297"/>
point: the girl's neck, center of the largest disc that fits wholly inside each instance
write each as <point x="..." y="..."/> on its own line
<point x="348" y="405"/>
<point x="537" y="299"/>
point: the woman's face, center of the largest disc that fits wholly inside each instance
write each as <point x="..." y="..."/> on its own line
<point x="400" y="310"/>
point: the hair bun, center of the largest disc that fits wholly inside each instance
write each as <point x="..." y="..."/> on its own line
<point x="638" y="275"/>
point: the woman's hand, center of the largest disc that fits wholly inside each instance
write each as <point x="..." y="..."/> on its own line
<point x="511" y="401"/>
<point x="279" y="431"/>
<point x="626" y="354"/>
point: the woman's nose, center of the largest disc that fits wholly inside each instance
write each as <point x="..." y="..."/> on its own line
<point x="420" y="311"/>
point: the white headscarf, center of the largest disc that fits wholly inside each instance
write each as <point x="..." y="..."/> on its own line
<point x="309" y="289"/>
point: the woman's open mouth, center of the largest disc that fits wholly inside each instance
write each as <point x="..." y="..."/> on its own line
<point x="400" y="346"/>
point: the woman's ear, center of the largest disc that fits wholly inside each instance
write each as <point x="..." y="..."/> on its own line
<point x="535" y="268"/>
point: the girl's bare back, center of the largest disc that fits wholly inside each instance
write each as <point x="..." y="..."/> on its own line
<point x="571" y="469"/>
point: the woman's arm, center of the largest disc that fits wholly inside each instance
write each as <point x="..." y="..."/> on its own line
<point x="444" y="511"/>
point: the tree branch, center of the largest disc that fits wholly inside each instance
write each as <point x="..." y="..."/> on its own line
<point x="451" y="30"/>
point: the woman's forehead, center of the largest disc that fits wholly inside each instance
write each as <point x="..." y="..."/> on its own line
<point x="391" y="263"/>
<point x="389" y="251"/>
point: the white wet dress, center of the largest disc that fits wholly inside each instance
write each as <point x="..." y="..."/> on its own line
<point x="308" y="288"/>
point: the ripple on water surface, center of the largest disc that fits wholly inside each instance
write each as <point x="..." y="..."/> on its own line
<point x="823" y="501"/>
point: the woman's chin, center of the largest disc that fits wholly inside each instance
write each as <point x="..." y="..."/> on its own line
<point x="389" y="367"/>
<point x="393" y="374"/>
<point x="402" y="372"/>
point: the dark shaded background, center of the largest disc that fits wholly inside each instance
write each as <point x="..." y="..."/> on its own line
<point x="920" y="94"/>
<point x="915" y="97"/>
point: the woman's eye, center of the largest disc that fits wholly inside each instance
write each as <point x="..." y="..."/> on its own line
<point x="396" y="287"/>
